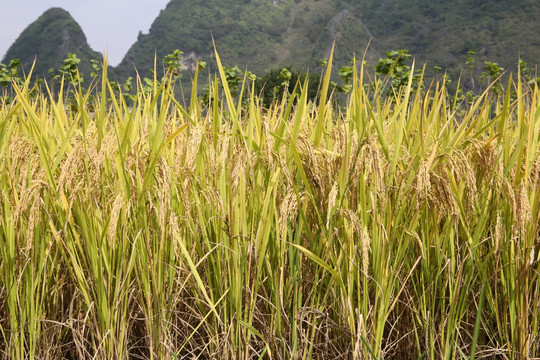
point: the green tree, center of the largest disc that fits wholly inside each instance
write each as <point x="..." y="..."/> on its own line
<point x="274" y="83"/>
<point x="395" y="68"/>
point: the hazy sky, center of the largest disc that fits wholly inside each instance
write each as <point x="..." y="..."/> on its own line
<point x="107" y="24"/>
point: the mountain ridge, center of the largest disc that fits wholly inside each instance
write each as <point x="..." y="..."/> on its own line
<point x="260" y="35"/>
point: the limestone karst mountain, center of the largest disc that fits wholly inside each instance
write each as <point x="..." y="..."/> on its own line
<point x="49" y="39"/>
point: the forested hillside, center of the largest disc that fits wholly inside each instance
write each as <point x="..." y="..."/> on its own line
<point x="50" y="39"/>
<point x="257" y="34"/>
<point x="442" y="32"/>
<point x="266" y="34"/>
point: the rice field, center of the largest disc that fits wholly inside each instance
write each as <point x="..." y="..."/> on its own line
<point x="402" y="227"/>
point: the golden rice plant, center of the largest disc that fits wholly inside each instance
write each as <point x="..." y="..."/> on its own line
<point x="396" y="228"/>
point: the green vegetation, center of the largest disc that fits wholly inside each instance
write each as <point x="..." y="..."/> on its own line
<point x="403" y="225"/>
<point x="261" y="35"/>
<point x="442" y="32"/>
<point x="257" y="34"/>
<point x="10" y="73"/>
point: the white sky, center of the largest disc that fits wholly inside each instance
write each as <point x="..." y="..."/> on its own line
<point x="109" y="25"/>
